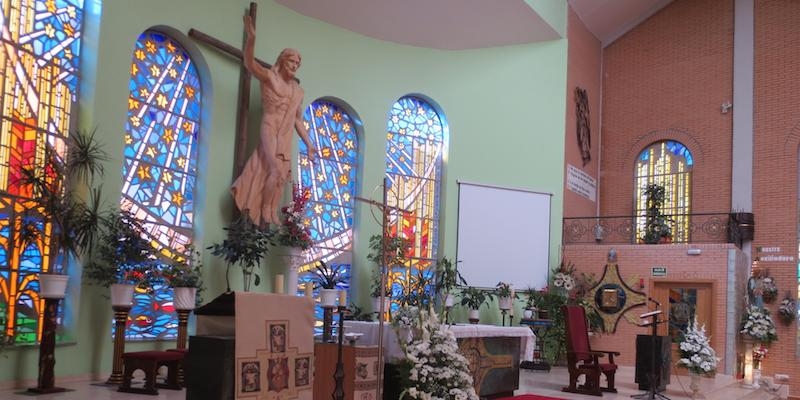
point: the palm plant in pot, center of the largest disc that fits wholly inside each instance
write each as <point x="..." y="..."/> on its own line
<point x="473" y="298"/>
<point x="63" y="206"/>
<point x="245" y="246"/>
<point x="447" y="280"/>
<point x="327" y="278"/>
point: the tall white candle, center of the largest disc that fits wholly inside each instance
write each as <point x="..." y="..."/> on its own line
<point x="277" y="287"/>
<point x="342" y="298"/>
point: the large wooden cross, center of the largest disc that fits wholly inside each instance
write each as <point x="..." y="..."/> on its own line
<point x="240" y="144"/>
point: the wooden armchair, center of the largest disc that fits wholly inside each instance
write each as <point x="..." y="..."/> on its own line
<point x="582" y="360"/>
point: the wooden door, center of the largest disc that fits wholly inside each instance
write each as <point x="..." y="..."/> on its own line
<point x="681" y="301"/>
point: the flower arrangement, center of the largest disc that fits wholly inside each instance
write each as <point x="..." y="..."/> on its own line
<point x="405" y="317"/>
<point x="769" y="291"/>
<point x="434" y="368"/>
<point x="292" y="232"/>
<point x="564" y="276"/>
<point x="787" y="311"/>
<point x="504" y="290"/>
<point x="757" y="323"/>
<point x="696" y="353"/>
<point x="759" y="354"/>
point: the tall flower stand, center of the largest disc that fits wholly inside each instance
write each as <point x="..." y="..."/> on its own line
<point x="749" y="382"/>
<point x="184" y="300"/>
<point x="327" y="323"/>
<point x="293" y="259"/>
<point x="47" y="360"/>
<point x="121" y="302"/>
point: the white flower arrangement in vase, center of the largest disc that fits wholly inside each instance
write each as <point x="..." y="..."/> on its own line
<point x="436" y="368"/>
<point x="696" y="352"/>
<point x="757" y="323"/>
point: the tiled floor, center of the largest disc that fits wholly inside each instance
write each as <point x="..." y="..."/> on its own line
<point x="543" y="383"/>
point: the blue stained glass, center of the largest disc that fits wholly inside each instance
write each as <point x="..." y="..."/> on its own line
<point x="160" y="168"/>
<point x="414" y="153"/>
<point x="332" y="178"/>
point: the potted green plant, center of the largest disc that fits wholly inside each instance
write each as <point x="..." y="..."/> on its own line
<point x="473" y="298"/>
<point x="245" y="246"/>
<point x="327" y="278"/>
<point x="505" y="295"/>
<point x="447" y="280"/>
<point x="183" y="275"/>
<point x="123" y="259"/>
<point x="531" y="303"/>
<point x="657" y="228"/>
<point x="386" y="252"/>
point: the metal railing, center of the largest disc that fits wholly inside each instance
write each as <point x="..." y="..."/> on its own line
<point x="686" y="228"/>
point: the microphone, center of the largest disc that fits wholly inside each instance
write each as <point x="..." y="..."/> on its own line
<point x="654" y="301"/>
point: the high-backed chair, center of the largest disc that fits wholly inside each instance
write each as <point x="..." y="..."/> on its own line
<point x="582" y="360"/>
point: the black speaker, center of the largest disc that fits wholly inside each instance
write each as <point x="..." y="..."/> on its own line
<point x="210" y="368"/>
<point x="647" y="347"/>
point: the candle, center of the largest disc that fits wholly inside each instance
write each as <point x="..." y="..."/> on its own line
<point x="511" y="311"/>
<point x="512" y="295"/>
<point x="278" y="285"/>
<point x="309" y="290"/>
<point x="342" y="298"/>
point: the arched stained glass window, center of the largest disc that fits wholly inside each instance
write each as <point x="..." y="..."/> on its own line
<point x="669" y="164"/>
<point x="39" y="59"/>
<point x="414" y="154"/>
<point x="160" y="165"/>
<point x="332" y="180"/>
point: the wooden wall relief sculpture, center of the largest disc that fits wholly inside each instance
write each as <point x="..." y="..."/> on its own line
<point x="583" y="128"/>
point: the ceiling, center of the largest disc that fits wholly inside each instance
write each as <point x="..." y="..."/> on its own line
<point x="470" y="24"/>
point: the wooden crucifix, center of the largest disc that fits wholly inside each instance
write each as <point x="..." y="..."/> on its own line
<point x="240" y="144"/>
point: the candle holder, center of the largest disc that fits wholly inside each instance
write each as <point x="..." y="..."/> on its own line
<point x="338" y="374"/>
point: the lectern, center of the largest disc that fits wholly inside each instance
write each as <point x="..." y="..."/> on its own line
<point x="652" y="359"/>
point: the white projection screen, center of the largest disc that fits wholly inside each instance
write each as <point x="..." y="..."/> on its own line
<point x="503" y="236"/>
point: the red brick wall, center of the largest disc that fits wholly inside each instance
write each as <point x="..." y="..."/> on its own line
<point x="635" y="262"/>
<point x="666" y="79"/>
<point x="583" y="69"/>
<point x="777" y="136"/>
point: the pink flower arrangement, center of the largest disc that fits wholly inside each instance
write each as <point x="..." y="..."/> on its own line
<point x="293" y="232"/>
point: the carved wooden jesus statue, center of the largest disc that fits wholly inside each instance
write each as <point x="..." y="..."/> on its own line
<point x="258" y="190"/>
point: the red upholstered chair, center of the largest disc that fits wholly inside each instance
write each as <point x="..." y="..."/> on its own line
<point x="582" y="360"/>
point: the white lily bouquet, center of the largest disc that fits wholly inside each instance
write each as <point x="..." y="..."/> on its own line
<point x="436" y="368"/>
<point x="696" y="352"/>
<point x="757" y="323"/>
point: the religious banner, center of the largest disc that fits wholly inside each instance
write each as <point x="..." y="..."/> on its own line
<point x="274" y="346"/>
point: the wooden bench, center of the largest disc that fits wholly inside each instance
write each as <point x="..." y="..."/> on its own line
<point x="149" y="362"/>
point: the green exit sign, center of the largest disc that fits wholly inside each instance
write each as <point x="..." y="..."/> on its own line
<point x="659" y="271"/>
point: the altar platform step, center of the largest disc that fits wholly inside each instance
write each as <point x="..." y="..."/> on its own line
<point x="721" y="387"/>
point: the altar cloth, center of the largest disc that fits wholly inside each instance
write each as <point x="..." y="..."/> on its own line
<point x="392" y="350"/>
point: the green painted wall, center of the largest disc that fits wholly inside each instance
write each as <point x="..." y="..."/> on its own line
<point x="504" y="106"/>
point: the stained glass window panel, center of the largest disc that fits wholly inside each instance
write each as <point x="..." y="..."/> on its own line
<point x="414" y="154"/>
<point x="332" y="179"/>
<point x="160" y="166"/>
<point x="669" y="164"/>
<point x="39" y="59"/>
